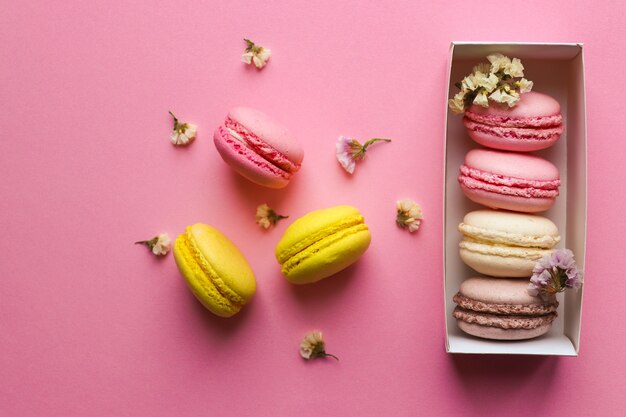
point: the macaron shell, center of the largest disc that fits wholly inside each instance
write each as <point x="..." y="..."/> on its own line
<point x="247" y="163"/>
<point x="508" y="202"/>
<point x="226" y="259"/>
<point x="322" y="243"/>
<point x="511" y="138"/>
<point x="498" y="265"/>
<point x="496" y="333"/>
<point x="510" y="181"/>
<point x="320" y="263"/>
<point x="499" y="291"/>
<point x="509" y="228"/>
<point x="200" y="284"/>
<point x="313" y="226"/>
<point x="270" y="131"/>
<point x="511" y="164"/>
<point x="531" y="106"/>
<point x="214" y="269"/>
<point x="534" y="123"/>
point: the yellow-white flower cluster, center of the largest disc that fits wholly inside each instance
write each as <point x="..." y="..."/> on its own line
<point x="496" y="82"/>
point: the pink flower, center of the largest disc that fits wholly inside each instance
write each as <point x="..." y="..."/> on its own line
<point x="554" y="273"/>
<point x="350" y="151"/>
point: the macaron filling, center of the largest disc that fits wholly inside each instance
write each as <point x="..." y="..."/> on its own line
<point x="518" y="133"/>
<point x="251" y="141"/>
<point x="507" y="238"/>
<point x="521" y="309"/>
<point x="473" y="178"/>
<point x="507" y="322"/>
<point x="206" y="277"/>
<point x="503" y="250"/>
<point x="508" y="121"/>
<point x="320" y="240"/>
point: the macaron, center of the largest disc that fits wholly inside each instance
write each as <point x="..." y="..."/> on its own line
<point x="214" y="269"/>
<point x="322" y="243"/>
<point x="259" y="148"/>
<point x="509" y="180"/>
<point x="534" y="123"/>
<point x="505" y="244"/>
<point x="502" y="309"/>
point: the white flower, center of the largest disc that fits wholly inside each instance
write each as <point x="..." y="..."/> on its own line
<point x="313" y="346"/>
<point x="266" y="216"/>
<point x="489" y="82"/>
<point x="182" y="133"/>
<point x="524" y="85"/>
<point x="481" y="99"/>
<point x="482" y="68"/>
<point x="409" y="214"/>
<point x="469" y="83"/>
<point x="457" y="104"/>
<point x="255" y="54"/>
<point x="511" y="98"/>
<point x="499" y="62"/>
<point x="159" y="245"/>
<point x="515" y="69"/>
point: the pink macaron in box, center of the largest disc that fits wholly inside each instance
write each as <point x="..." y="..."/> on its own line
<point x="534" y="123"/>
<point x="509" y="180"/>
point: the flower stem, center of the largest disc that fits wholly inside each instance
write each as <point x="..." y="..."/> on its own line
<point x="374" y="140"/>
<point x="175" y="119"/>
<point x="329" y="354"/>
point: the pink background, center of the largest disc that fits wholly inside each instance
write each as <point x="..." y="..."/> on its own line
<point x="92" y="325"/>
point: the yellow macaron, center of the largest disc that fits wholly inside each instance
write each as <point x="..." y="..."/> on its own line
<point x="322" y="243"/>
<point x="215" y="270"/>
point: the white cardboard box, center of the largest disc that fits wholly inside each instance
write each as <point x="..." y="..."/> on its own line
<point x="558" y="70"/>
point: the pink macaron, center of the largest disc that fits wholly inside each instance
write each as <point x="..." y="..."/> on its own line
<point x="258" y="148"/>
<point x="509" y="180"/>
<point x="534" y="123"/>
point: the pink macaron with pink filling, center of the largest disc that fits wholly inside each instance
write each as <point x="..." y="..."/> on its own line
<point x="534" y="123"/>
<point x="509" y="180"/>
<point x="258" y="148"/>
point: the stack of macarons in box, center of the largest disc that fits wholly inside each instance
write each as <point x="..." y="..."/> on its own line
<point x="315" y="246"/>
<point x="503" y="241"/>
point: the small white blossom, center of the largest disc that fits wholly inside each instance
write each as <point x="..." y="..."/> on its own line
<point x="267" y="217"/>
<point x="499" y="62"/>
<point x="313" y="346"/>
<point x="515" y="69"/>
<point x="255" y="54"/>
<point x="457" y="104"/>
<point x="409" y="214"/>
<point x="159" y="245"/>
<point x="481" y="99"/>
<point x="182" y="133"/>
<point x="524" y="85"/>
<point x="510" y="98"/>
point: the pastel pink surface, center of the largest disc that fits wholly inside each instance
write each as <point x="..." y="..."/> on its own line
<point x="93" y="325"/>
<point x="510" y="181"/>
<point x="534" y="123"/>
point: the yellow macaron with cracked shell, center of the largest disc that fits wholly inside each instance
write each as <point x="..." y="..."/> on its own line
<point x="215" y="270"/>
<point x="322" y="243"/>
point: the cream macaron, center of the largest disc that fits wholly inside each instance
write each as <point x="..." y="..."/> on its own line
<point x="504" y="243"/>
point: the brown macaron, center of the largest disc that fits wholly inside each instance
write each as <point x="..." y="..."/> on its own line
<point x="502" y="309"/>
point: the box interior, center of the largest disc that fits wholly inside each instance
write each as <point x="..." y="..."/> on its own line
<point x="557" y="70"/>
